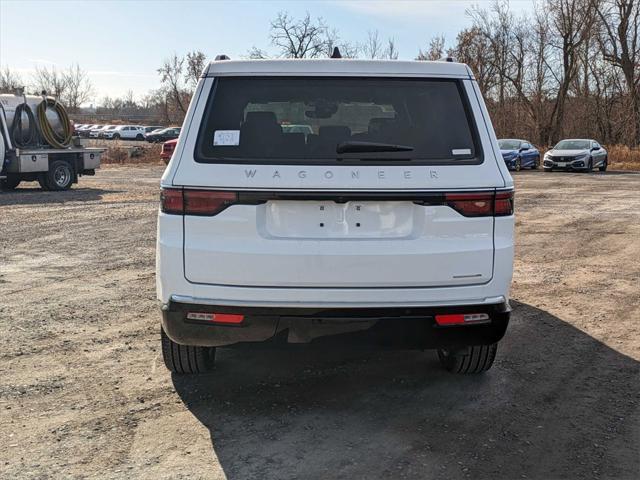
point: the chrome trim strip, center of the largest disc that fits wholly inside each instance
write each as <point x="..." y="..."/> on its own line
<point x="240" y="303"/>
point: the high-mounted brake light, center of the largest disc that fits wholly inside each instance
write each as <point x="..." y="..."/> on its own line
<point x="195" y="202"/>
<point x="461" y="318"/>
<point x="228" y="318"/>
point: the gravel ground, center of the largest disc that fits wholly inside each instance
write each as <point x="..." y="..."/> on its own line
<point x="84" y="392"/>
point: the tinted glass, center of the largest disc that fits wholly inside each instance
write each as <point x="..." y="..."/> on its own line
<point x="299" y="120"/>
<point x="572" y="145"/>
<point x="509" y="144"/>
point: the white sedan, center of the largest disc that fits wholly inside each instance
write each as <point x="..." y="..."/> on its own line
<point x="576" y="154"/>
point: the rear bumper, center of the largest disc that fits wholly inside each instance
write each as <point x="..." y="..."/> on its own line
<point x="394" y="327"/>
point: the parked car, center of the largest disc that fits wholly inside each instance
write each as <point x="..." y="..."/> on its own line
<point x="107" y="132"/>
<point x="96" y="132"/>
<point x="163" y="135"/>
<point x="150" y="129"/>
<point x="518" y="154"/>
<point x="167" y="150"/>
<point x="362" y="231"/>
<point x="84" y="131"/>
<point x="127" y="132"/>
<point x="576" y="154"/>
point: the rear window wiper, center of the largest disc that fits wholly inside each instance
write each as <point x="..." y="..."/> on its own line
<point x="362" y="147"/>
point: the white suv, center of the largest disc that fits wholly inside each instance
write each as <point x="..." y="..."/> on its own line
<point x="126" y="132"/>
<point x="388" y="219"/>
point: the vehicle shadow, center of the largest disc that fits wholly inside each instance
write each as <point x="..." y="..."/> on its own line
<point x="33" y="196"/>
<point x="557" y="404"/>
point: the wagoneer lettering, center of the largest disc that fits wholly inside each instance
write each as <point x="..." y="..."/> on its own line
<point x="358" y="200"/>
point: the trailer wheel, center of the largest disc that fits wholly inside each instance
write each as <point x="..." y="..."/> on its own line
<point x="186" y="359"/>
<point x="9" y="183"/>
<point x="473" y="359"/>
<point x="59" y="176"/>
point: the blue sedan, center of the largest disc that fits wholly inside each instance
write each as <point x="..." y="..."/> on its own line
<point x="518" y="154"/>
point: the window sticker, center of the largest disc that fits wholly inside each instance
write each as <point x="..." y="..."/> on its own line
<point x="226" y="138"/>
<point x="461" y="151"/>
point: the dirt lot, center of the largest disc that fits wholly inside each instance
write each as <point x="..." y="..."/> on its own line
<point x="84" y="392"/>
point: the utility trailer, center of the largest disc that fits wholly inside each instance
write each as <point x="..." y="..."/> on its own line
<point x="41" y="149"/>
<point x="52" y="168"/>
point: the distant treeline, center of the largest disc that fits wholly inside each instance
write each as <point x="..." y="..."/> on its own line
<point x="571" y="68"/>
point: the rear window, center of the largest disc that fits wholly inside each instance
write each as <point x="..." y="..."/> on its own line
<point x="337" y="120"/>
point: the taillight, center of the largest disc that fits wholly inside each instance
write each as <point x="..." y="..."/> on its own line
<point x="207" y="202"/>
<point x="481" y="204"/>
<point x="172" y="201"/>
<point x="471" y="204"/>
<point x="195" y="202"/>
<point x="504" y="204"/>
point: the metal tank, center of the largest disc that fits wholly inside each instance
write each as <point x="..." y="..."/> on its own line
<point x="10" y="102"/>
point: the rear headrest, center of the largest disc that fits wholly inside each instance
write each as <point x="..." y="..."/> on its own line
<point x="261" y="118"/>
<point x="334" y="131"/>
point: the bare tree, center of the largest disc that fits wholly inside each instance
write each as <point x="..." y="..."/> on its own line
<point x="171" y="73"/>
<point x="621" y="47"/>
<point x="78" y="88"/>
<point x="305" y="38"/>
<point x="195" y="64"/>
<point x="256" y="53"/>
<point x="51" y="80"/>
<point x="435" y="50"/>
<point x="571" y="22"/>
<point x="9" y="81"/>
<point x="372" y="47"/>
<point x="391" y="52"/>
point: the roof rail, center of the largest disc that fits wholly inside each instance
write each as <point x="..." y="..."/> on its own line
<point x="222" y="57"/>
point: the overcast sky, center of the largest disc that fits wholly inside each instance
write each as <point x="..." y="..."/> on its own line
<point x="121" y="43"/>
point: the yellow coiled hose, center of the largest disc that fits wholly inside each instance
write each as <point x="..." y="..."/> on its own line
<point x="53" y="138"/>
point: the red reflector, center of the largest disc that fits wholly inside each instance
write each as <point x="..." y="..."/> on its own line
<point x="171" y="201"/>
<point x="207" y="202"/>
<point x="216" y="317"/>
<point x="449" y="319"/>
<point x="227" y="318"/>
<point x="461" y="318"/>
<point x="471" y="204"/>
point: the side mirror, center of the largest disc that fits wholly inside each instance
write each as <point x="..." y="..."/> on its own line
<point x="595" y="148"/>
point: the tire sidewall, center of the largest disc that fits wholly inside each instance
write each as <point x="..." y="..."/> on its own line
<point x="60" y="175"/>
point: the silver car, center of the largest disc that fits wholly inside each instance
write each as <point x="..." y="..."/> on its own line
<point x="576" y="154"/>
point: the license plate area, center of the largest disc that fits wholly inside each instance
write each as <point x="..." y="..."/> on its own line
<point x="562" y="164"/>
<point x="327" y="219"/>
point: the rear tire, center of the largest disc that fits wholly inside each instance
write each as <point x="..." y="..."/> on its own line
<point x="473" y="359"/>
<point x="116" y="136"/>
<point x="60" y="175"/>
<point x="9" y="183"/>
<point x="186" y="359"/>
<point x="139" y="137"/>
<point x="548" y="169"/>
<point x="603" y="167"/>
